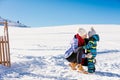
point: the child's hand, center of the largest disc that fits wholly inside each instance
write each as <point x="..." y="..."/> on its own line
<point x="89" y="55"/>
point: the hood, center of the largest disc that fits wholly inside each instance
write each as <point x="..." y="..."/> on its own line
<point x="95" y="37"/>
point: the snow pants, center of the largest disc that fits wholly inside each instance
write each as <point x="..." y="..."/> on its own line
<point x="76" y="56"/>
<point x="91" y="65"/>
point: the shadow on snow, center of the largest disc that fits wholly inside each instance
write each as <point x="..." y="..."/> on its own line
<point x="107" y="74"/>
<point x="108" y="51"/>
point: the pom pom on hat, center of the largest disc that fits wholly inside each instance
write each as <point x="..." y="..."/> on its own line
<point x="91" y="32"/>
<point x="82" y="32"/>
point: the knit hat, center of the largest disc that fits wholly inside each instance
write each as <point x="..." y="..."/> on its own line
<point x="91" y="32"/>
<point x="82" y="32"/>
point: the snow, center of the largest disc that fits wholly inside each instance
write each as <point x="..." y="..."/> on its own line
<point x="37" y="54"/>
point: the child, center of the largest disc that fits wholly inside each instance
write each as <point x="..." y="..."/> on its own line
<point x="91" y="49"/>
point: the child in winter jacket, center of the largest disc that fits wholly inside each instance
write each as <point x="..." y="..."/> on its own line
<point x="91" y="49"/>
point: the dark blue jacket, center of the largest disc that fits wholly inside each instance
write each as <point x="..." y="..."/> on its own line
<point x="92" y="44"/>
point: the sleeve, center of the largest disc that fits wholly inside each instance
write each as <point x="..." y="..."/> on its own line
<point x="89" y="45"/>
<point x="74" y="44"/>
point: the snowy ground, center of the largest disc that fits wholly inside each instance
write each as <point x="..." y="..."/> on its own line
<point x="37" y="54"/>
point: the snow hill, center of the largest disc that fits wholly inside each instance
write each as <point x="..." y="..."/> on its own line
<point x="37" y="54"/>
<point x="13" y="23"/>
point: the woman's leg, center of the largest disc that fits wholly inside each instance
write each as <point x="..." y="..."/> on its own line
<point x="79" y="55"/>
<point x="72" y="58"/>
<point x="73" y="61"/>
<point x="79" y="60"/>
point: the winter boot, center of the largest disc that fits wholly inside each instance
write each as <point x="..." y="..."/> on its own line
<point x="73" y="65"/>
<point x="80" y="69"/>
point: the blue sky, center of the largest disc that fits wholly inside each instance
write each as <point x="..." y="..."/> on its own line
<point x="37" y="13"/>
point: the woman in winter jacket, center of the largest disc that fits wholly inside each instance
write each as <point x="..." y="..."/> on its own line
<point x="74" y="53"/>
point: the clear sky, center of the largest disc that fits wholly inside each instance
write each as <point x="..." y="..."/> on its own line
<point x="37" y="13"/>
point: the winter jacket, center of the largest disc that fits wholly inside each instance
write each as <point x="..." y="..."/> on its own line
<point x="76" y="42"/>
<point x="92" y="44"/>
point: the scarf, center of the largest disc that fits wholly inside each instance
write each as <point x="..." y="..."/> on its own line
<point x="81" y="41"/>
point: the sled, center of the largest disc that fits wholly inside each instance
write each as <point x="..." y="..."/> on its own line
<point x="4" y="46"/>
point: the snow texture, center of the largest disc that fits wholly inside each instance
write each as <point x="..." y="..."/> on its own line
<point x="38" y="53"/>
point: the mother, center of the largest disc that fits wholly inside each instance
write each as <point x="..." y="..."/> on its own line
<point x="74" y="53"/>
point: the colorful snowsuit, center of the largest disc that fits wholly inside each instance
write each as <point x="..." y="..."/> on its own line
<point x="91" y="48"/>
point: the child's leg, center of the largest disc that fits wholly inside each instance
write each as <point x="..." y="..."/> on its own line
<point x="91" y="65"/>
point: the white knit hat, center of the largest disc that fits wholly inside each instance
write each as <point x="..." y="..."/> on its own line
<point x="82" y="32"/>
<point x="91" y="32"/>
